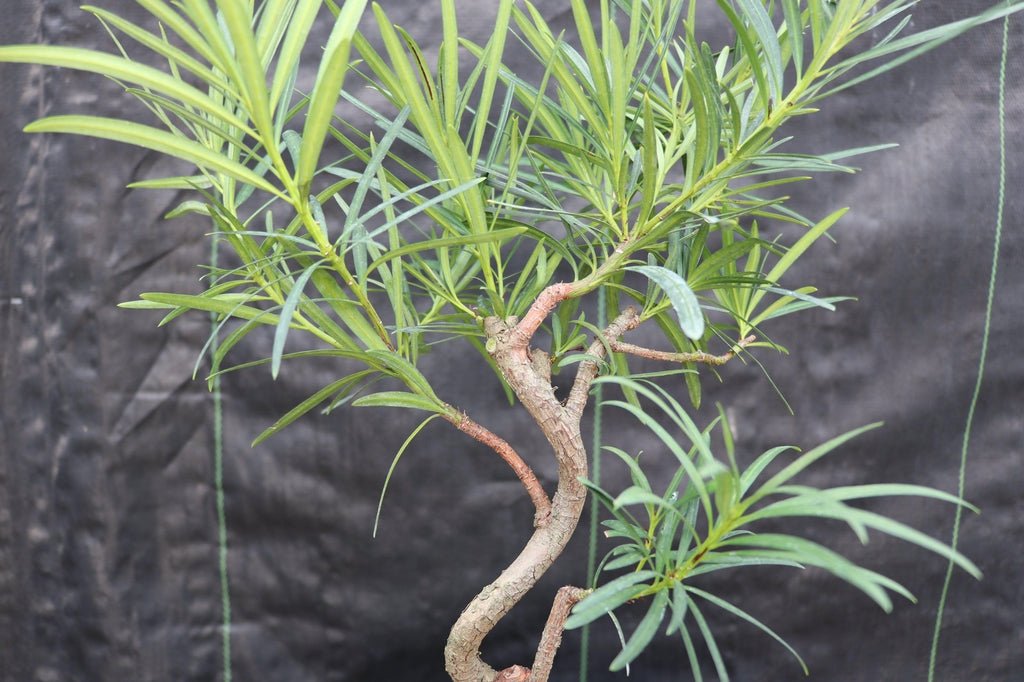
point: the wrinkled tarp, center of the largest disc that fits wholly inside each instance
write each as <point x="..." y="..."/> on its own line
<point x="108" y="529"/>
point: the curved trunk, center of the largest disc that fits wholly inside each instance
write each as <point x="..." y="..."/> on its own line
<point x="562" y="430"/>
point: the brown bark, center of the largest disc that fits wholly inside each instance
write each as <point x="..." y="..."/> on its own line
<point x="565" y="599"/>
<point x="541" y="503"/>
<point x="666" y="356"/>
<point x="462" y="654"/>
<point x="528" y="372"/>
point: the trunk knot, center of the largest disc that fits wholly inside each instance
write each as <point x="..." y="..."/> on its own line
<point x="516" y="673"/>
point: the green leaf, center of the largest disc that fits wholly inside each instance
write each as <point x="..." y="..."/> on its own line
<point x="861" y="492"/>
<point x="917" y="44"/>
<point x="124" y="70"/>
<point x="446" y="242"/>
<point x="751" y="473"/>
<point x="368" y="173"/>
<point x="808" y="459"/>
<point x="740" y="613"/>
<point x="394" y="464"/>
<point x="291" y="50"/>
<point x="406" y="371"/>
<point x="794" y="31"/>
<point x="403" y="399"/>
<point x="287" y="311"/>
<point x="643" y="634"/>
<point x="160" y="46"/>
<point x="326" y="90"/>
<point x="492" y="62"/>
<point x="756" y="14"/>
<point x="151" y="138"/>
<point x="682" y="298"/>
<point x="309" y="403"/>
<point x="709" y="640"/>
<point x="176" y="182"/>
<point x="789" y="547"/>
<point x="607" y="598"/>
<point x="212" y="305"/>
<point x="237" y="17"/>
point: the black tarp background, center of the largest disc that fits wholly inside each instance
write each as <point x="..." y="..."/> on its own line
<point x="108" y="533"/>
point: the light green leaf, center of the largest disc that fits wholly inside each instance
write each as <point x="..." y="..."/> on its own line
<point x="807" y="459"/>
<point x="607" y="598"/>
<point x="291" y="50"/>
<point x="287" y="311"/>
<point x="756" y="14"/>
<point x="394" y="465"/>
<point x="446" y="242"/>
<point x="643" y="634"/>
<point x="212" y="305"/>
<point x="150" y="138"/>
<point x="682" y="298"/>
<point x="406" y="371"/>
<point x="399" y="399"/>
<point x="309" y="403"/>
<point x="326" y="90"/>
<point x="740" y="613"/>
<point x="162" y="47"/>
<point x="177" y="182"/>
<point x="124" y="70"/>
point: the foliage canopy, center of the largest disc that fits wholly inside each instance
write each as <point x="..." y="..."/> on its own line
<point x="642" y="162"/>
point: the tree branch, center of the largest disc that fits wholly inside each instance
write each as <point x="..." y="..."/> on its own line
<point x="703" y="358"/>
<point x="541" y="503"/>
<point x="520" y="335"/>
<point x="626" y="321"/>
<point x="565" y="599"/>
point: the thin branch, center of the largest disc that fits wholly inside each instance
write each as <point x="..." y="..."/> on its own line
<point x="541" y="502"/>
<point x="626" y="321"/>
<point x="565" y="599"/>
<point x="703" y="358"/>
<point x="547" y="300"/>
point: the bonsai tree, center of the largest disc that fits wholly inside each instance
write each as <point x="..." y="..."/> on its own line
<point x="636" y="183"/>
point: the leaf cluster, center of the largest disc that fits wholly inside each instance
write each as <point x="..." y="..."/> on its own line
<point x="640" y="149"/>
<point x="708" y="517"/>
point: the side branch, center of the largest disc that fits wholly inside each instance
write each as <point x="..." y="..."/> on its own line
<point x="703" y="358"/>
<point x="534" y="489"/>
<point x="547" y="300"/>
<point x="626" y="321"/>
<point x="551" y="639"/>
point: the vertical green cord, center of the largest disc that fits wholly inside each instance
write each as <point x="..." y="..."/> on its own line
<point x="218" y="482"/>
<point x="984" y="346"/>
<point x="595" y="476"/>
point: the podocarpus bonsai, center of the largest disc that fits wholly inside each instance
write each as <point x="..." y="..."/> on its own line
<point x="641" y="165"/>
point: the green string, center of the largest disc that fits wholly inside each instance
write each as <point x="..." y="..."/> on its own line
<point x="218" y="482"/>
<point x="984" y="347"/>
<point x="595" y="476"/>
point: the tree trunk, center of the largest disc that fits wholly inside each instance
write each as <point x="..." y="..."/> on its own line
<point x="562" y="430"/>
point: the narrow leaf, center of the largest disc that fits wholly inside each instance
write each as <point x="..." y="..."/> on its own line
<point x="287" y="311"/>
<point x="150" y="138"/>
<point x="326" y="90"/>
<point x="394" y="465"/>
<point x="682" y="298"/>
